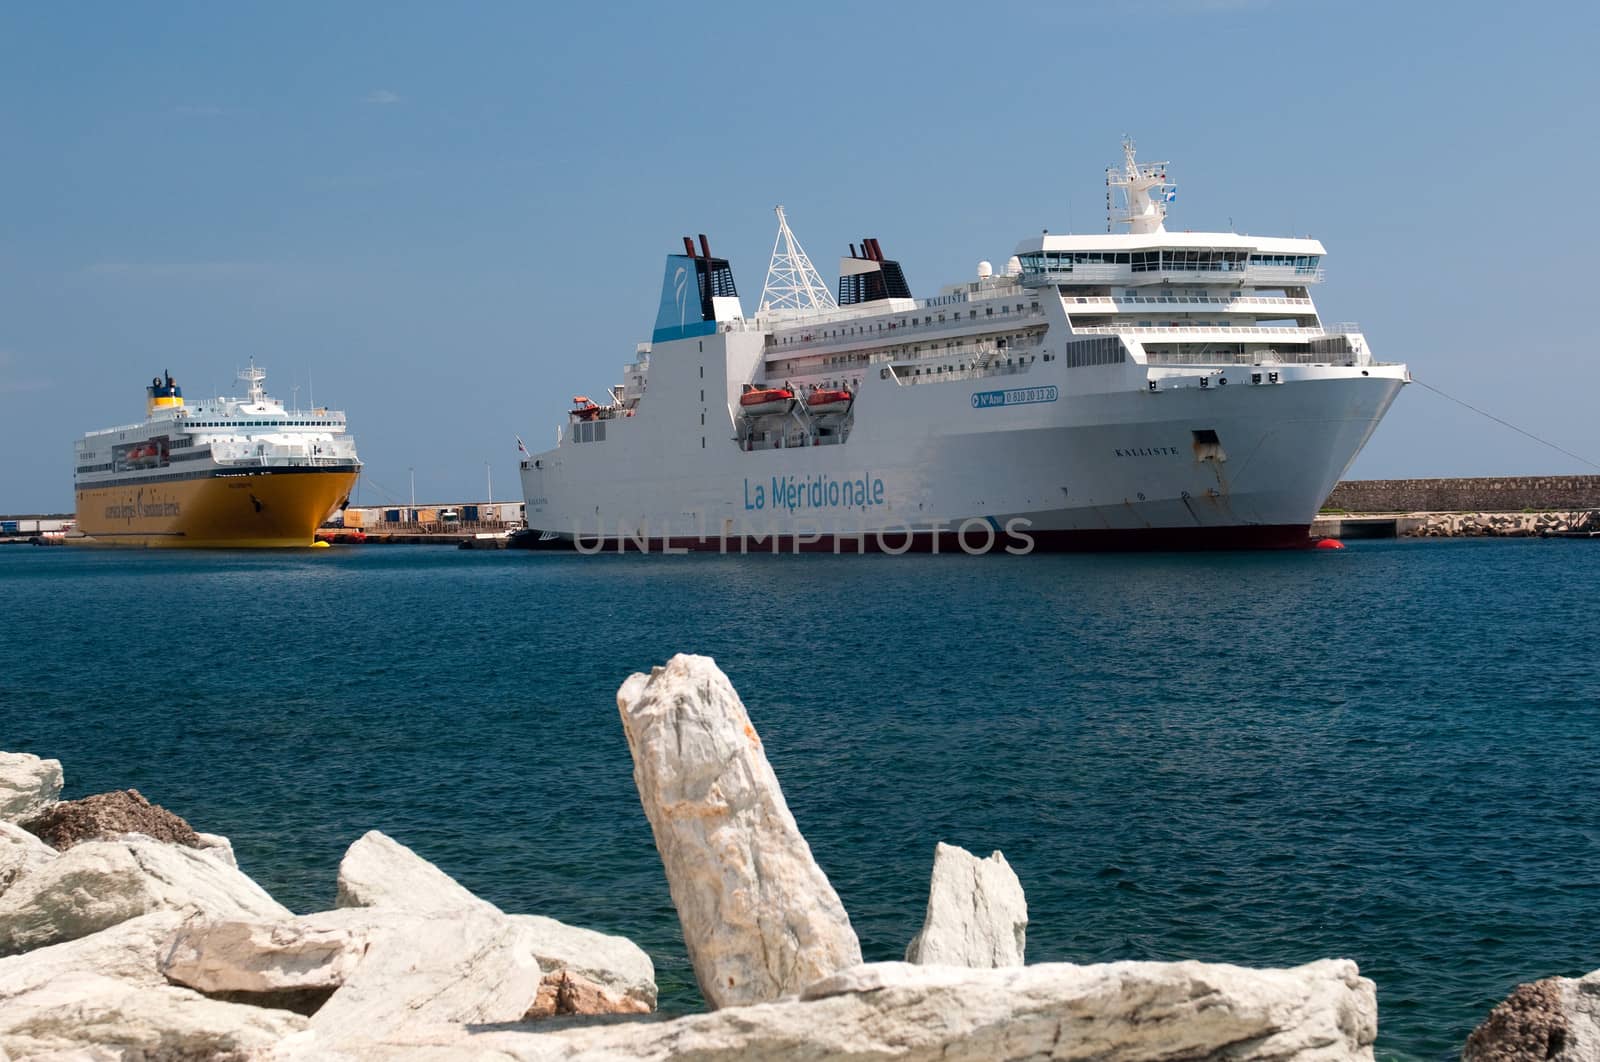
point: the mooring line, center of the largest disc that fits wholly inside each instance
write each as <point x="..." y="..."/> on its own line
<point x="1507" y="423"/>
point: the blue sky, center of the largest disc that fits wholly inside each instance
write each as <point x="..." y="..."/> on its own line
<point x="448" y="219"/>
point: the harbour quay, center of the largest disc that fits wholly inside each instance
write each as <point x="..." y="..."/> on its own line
<point x="468" y="524"/>
<point x="29" y="527"/>
<point x="1471" y="507"/>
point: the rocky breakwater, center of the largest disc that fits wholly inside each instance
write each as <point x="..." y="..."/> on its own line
<point x="1553" y="1020"/>
<point x="121" y="944"/>
<point x="1498" y="525"/>
<point x="409" y="964"/>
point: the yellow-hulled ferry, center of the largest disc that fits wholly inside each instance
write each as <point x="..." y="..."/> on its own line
<point x="223" y="473"/>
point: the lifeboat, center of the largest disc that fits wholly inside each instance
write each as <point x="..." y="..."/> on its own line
<point x="584" y="408"/>
<point x="762" y="401"/>
<point x="823" y="401"/>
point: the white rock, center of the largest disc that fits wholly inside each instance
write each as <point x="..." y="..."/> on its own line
<point x="219" y="848"/>
<point x="21" y="853"/>
<point x="1121" y="1012"/>
<point x="378" y="871"/>
<point x="977" y="915"/>
<point x="465" y="967"/>
<point x="216" y="957"/>
<point x="102" y="996"/>
<point x="99" y="883"/>
<point x="27" y="784"/>
<point x="92" y="1012"/>
<point x="759" y="916"/>
<point x="129" y="951"/>
<point x="613" y="962"/>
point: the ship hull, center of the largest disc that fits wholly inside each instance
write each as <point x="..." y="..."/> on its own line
<point x="928" y="468"/>
<point x="267" y="508"/>
<point x="972" y="540"/>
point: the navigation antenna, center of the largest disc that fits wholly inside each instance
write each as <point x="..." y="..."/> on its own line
<point x="1145" y="193"/>
<point x="793" y="283"/>
<point x="252" y="378"/>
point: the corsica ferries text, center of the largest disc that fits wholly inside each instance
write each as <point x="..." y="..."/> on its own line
<point x="137" y="507"/>
<point x="815" y="492"/>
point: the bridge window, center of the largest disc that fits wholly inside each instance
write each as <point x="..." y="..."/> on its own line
<point x="1300" y="263"/>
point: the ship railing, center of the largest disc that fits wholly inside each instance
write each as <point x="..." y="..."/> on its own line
<point x="250" y="460"/>
<point x="894" y="331"/>
<point x="939" y="374"/>
<point x="1100" y="273"/>
<point x="1302" y="356"/>
<point x="1181" y="300"/>
<point x="1241" y="330"/>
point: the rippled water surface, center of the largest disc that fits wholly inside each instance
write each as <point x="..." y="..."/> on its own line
<point x="1387" y="753"/>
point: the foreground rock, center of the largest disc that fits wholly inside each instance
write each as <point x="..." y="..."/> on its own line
<point x="759" y="916"/>
<point x="108" y="816"/>
<point x="129" y="951"/>
<point x="98" y="884"/>
<point x="218" y="847"/>
<point x="27" y="784"/>
<point x="977" y="915"/>
<point x="380" y="872"/>
<point x="21" y="853"/>
<point x="615" y="964"/>
<point x="1120" y="1012"/>
<point x="103" y="997"/>
<point x="293" y="965"/>
<point x="462" y="967"/>
<point x="566" y="993"/>
<point x="1556" y="1019"/>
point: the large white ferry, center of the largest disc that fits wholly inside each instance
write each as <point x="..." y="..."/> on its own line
<point x="225" y="472"/>
<point x="1133" y="389"/>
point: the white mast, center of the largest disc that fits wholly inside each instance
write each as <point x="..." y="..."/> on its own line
<point x="252" y="378"/>
<point x="792" y="282"/>
<point x="1142" y="211"/>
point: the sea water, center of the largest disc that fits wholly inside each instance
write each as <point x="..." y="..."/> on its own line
<point x="1387" y="753"/>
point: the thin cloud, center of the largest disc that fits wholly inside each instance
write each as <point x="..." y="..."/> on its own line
<point x="381" y="97"/>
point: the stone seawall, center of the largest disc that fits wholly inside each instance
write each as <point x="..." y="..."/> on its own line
<point x="1496" y="525"/>
<point x="1455" y="525"/>
<point x="1495" y="494"/>
<point x="1476" y="495"/>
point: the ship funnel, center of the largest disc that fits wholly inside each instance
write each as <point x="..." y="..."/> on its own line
<point x="870" y="276"/>
<point x="163" y="393"/>
<point x="697" y="291"/>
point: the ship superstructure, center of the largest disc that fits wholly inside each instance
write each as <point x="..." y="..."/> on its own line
<point x="223" y="472"/>
<point x="1118" y="390"/>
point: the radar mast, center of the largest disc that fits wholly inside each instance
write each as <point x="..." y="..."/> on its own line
<point x="793" y="283"/>
<point x="1145" y="193"/>
<point x="252" y="378"/>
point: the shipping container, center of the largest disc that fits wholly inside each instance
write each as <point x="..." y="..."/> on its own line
<point x="469" y="512"/>
<point x="355" y="518"/>
<point x="391" y="516"/>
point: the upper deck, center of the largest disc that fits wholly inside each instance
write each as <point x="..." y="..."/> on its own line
<point x="221" y="432"/>
<point x="1137" y="259"/>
